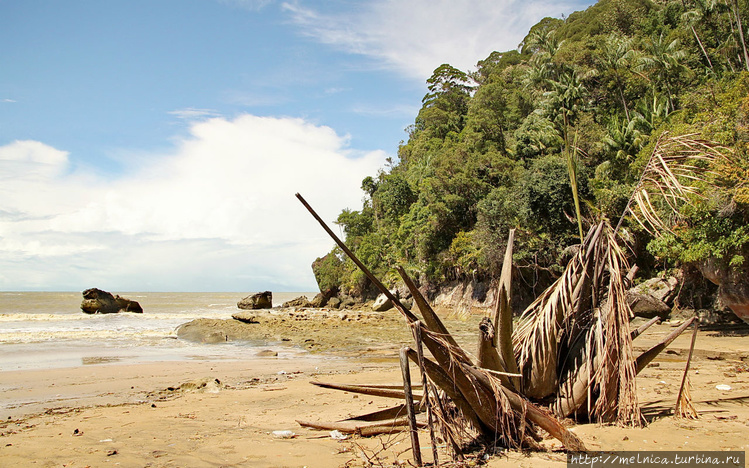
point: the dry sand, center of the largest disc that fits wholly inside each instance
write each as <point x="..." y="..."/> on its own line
<point x="224" y="413"/>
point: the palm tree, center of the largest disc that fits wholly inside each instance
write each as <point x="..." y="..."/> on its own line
<point x="701" y="11"/>
<point x="625" y="139"/>
<point x="662" y="60"/>
<point x="616" y="57"/>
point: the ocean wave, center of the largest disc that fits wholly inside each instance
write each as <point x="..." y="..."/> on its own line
<point x="25" y="317"/>
<point x="40" y="336"/>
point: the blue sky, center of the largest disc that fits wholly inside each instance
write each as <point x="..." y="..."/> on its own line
<point x="157" y="145"/>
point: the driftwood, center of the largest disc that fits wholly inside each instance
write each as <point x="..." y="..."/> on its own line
<point x="362" y="429"/>
<point x="366" y="390"/>
<point x="646" y="357"/>
<point x="413" y="428"/>
<point x="644" y="326"/>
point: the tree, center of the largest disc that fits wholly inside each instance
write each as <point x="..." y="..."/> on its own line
<point x="700" y="12"/>
<point x="663" y="60"/>
<point x="615" y="60"/>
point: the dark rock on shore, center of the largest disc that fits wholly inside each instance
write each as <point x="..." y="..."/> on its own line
<point x="261" y="300"/>
<point x="320" y="300"/>
<point x="653" y="297"/>
<point x="300" y="301"/>
<point x="96" y="301"/>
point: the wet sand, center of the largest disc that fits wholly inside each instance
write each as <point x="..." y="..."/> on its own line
<point x="224" y="413"/>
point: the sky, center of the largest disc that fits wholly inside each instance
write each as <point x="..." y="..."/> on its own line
<point x="156" y="145"/>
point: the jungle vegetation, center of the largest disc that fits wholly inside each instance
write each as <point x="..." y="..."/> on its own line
<point x="552" y="138"/>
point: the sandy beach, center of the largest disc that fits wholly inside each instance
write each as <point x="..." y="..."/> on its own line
<point x="225" y="412"/>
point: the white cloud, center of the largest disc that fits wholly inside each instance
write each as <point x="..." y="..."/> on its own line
<point x="416" y="36"/>
<point x="192" y="113"/>
<point x="219" y="208"/>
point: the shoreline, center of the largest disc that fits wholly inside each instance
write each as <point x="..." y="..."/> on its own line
<point x="173" y="413"/>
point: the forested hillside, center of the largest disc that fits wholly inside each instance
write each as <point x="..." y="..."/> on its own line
<point x="575" y="111"/>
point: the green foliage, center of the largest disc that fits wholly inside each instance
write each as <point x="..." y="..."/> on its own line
<point x="329" y="271"/>
<point x="488" y="150"/>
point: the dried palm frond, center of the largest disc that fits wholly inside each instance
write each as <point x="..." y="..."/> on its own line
<point x="541" y="324"/>
<point x="684" y="407"/>
<point x="597" y="364"/>
<point x="676" y="165"/>
<point x="617" y="390"/>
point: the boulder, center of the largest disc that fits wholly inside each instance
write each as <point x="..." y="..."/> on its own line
<point x="652" y="298"/>
<point x="733" y="283"/>
<point x="334" y="303"/>
<point x="261" y="300"/>
<point x="207" y="330"/>
<point x="320" y="300"/>
<point x="347" y="302"/>
<point x="96" y="301"/>
<point x="382" y="303"/>
<point x="300" y="301"/>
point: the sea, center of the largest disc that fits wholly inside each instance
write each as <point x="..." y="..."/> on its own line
<point x="46" y="330"/>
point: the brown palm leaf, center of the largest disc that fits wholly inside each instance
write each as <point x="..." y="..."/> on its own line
<point x="542" y="323"/>
<point x="676" y="166"/>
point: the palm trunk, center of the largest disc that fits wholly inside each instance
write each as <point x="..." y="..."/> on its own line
<point x="741" y="33"/>
<point x="704" y="52"/>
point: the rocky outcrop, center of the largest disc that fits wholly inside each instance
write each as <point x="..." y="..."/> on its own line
<point x="300" y="301"/>
<point x="733" y="283"/>
<point x="245" y="317"/>
<point x="261" y="300"/>
<point x="96" y="301"/>
<point x="320" y="300"/>
<point x="653" y="297"/>
<point x="465" y="295"/>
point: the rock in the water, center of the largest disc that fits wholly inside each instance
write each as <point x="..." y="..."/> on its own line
<point x="300" y="301"/>
<point x="261" y="300"/>
<point x="96" y="301"/>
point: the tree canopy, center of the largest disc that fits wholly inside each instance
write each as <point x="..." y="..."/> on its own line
<point x="490" y="150"/>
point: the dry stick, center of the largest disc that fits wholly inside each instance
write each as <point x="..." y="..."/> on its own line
<point x="482" y="401"/>
<point x="381" y="392"/>
<point x="686" y="368"/>
<point x="425" y="385"/>
<point x="431" y="318"/>
<point x="644" y="326"/>
<point x="414" y="432"/>
<point x="381" y="415"/>
<point x="363" y="429"/>
<point x="398" y="305"/>
<point x="645" y="358"/>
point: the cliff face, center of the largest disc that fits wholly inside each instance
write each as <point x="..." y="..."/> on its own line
<point x="464" y="296"/>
